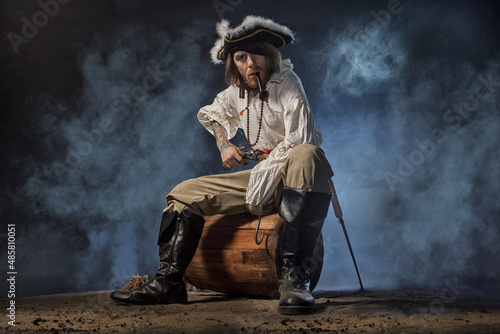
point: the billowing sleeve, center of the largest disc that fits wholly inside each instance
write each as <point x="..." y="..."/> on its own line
<point x="222" y="112"/>
<point x="299" y="129"/>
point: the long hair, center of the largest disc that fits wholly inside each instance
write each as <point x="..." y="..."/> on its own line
<point x="233" y="76"/>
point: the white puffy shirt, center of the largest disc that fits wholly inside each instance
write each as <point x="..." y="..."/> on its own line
<point x="287" y="122"/>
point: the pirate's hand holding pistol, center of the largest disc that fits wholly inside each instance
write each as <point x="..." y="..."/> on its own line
<point x="230" y="154"/>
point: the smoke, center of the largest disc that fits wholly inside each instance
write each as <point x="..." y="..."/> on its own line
<point x="111" y="154"/>
<point x="406" y="99"/>
<point x="410" y="122"/>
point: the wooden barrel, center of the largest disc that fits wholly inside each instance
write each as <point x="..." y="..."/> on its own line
<point x="228" y="259"/>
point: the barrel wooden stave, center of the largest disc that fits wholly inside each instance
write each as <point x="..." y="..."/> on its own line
<point x="229" y="261"/>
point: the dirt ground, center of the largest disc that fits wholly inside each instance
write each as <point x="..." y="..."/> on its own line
<point x="352" y="312"/>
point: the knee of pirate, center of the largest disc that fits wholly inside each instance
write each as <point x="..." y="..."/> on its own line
<point x="180" y="188"/>
<point x="306" y="155"/>
<point x="307" y="168"/>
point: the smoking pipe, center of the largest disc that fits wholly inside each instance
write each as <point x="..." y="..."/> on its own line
<point x="263" y="93"/>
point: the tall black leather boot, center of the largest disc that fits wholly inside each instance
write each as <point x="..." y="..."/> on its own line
<point x="304" y="213"/>
<point x="178" y="240"/>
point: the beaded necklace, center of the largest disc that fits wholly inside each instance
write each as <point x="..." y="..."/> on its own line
<point x="248" y="120"/>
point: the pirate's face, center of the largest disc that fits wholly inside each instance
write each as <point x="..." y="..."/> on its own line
<point x="249" y="65"/>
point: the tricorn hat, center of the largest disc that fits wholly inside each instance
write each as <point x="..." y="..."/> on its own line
<point x="253" y="29"/>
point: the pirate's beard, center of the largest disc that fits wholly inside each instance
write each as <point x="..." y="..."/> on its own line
<point x="254" y="85"/>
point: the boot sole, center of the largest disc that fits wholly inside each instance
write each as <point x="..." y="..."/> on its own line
<point x="129" y="303"/>
<point x="296" y="310"/>
<point x="142" y="304"/>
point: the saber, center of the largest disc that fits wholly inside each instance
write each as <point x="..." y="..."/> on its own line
<point x="338" y="214"/>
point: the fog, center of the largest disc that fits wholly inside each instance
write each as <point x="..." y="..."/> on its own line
<point x="405" y="94"/>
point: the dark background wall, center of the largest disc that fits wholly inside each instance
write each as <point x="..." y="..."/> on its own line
<point x="99" y="101"/>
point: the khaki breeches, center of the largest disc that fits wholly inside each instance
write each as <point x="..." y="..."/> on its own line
<point x="306" y="168"/>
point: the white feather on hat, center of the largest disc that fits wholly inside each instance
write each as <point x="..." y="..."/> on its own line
<point x="252" y="29"/>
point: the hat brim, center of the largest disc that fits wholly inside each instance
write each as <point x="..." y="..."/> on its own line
<point x="253" y="29"/>
<point x="259" y="35"/>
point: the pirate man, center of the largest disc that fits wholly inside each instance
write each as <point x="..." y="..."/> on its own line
<point x="266" y="99"/>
